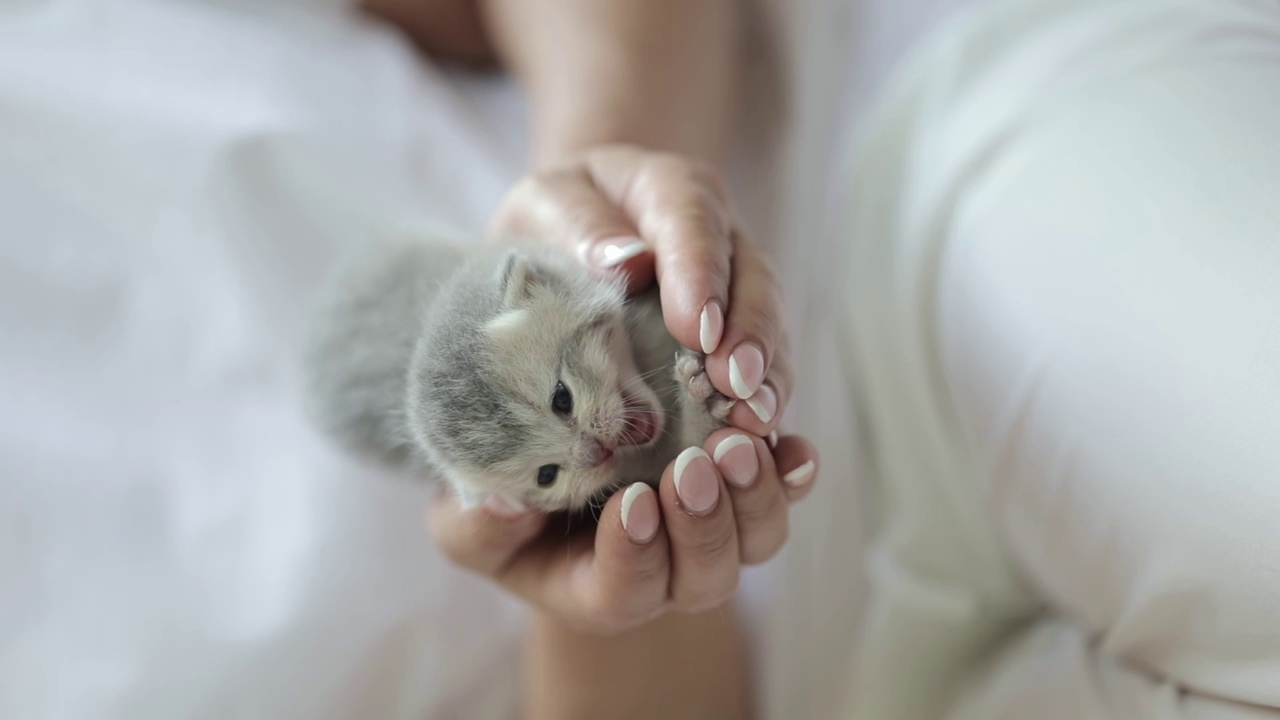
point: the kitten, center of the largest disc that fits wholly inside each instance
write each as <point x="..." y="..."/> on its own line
<point x="513" y="373"/>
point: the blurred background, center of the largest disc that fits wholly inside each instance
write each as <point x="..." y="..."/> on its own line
<point x="176" y="176"/>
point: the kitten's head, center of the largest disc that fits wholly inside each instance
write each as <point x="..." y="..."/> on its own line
<point x="525" y="384"/>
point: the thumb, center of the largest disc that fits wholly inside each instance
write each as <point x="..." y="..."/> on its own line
<point x="484" y="538"/>
<point x="566" y="208"/>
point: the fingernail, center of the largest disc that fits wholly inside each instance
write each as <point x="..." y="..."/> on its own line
<point x="746" y="370"/>
<point x="504" y="508"/>
<point x="764" y="403"/>
<point x="736" y="457"/>
<point x="800" y="475"/>
<point x="640" y="522"/>
<point x="696" y="481"/>
<point x="711" y="327"/>
<point x="773" y="440"/>
<point x="615" y="251"/>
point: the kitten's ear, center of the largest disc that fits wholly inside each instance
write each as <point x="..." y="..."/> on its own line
<point x="516" y="279"/>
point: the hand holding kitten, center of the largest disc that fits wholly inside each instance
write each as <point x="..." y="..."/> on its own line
<point x="651" y="214"/>
<point x="656" y="215"/>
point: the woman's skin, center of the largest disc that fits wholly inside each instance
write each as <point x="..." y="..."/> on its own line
<point x="632" y="107"/>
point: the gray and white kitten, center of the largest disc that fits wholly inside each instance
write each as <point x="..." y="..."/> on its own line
<point x="512" y="372"/>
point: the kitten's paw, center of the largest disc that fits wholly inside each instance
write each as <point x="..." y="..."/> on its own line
<point x="691" y="373"/>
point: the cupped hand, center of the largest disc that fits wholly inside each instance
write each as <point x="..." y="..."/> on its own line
<point x="648" y="214"/>
<point x="679" y="548"/>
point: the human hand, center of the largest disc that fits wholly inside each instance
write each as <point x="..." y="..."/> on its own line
<point x="677" y="549"/>
<point x="651" y="214"/>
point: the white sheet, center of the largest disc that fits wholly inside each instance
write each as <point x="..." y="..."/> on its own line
<point x="1064" y="308"/>
<point x="175" y="540"/>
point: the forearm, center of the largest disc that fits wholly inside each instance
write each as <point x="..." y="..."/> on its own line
<point x="662" y="74"/>
<point x="657" y="73"/>
<point x="677" y="666"/>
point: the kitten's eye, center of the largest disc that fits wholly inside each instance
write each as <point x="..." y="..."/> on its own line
<point x="547" y="475"/>
<point x="562" y="399"/>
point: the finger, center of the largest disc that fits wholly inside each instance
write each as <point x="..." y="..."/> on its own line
<point x="752" y="333"/>
<point x="761" y="413"/>
<point x="608" y="583"/>
<point x="759" y="504"/>
<point x="702" y="532"/>
<point x="483" y="539"/>
<point x="681" y="208"/>
<point x="798" y="465"/>
<point x="567" y="208"/>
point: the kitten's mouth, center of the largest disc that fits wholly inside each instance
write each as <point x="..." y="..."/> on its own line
<point x="642" y="423"/>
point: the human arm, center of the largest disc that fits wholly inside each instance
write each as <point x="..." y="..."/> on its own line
<point x="632" y="108"/>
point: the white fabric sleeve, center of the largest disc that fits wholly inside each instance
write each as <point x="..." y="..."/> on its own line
<point x="1064" y="308"/>
<point x="1049" y="671"/>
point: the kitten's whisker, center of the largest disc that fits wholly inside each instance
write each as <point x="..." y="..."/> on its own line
<point x="630" y="382"/>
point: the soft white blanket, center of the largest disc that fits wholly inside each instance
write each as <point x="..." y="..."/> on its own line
<point x="1064" y="316"/>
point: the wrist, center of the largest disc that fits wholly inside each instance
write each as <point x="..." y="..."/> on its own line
<point x="683" y="664"/>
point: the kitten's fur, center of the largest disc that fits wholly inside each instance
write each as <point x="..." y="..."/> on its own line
<point x="428" y="352"/>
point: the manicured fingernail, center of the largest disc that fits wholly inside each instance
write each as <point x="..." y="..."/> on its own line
<point x="696" y="481"/>
<point x="764" y="403"/>
<point x="711" y="327"/>
<point x="773" y="440"/>
<point x="800" y="475"/>
<point x="615" y="251"/>
<point x="504" y="508"/>
<point x="640" y="522"/>
<point x="746" y="370"/>
<point x="736" y="457"/>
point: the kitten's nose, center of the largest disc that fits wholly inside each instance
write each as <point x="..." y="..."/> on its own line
<point x="598" y="453"/>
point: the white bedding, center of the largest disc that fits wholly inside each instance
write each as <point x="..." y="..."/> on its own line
<point x="174" y="540"/>
<point x="1064" y="307"/>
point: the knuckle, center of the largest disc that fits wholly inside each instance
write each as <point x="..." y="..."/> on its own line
<point x="760" y="322"/>
<point x="762" y="549"/>
<point x="761" y="268"/>
<point x="706" y="176"/>
<point x="607" y="614"/>
<point x="768" y="531"/>
<point x="652" y="574"/>
<point x="714" y="593"/>
<point x="688" y="172"/>
<point x="762" y="514"/>
<point x="453" y="550"/>
<point x="666" y="165"/>
<point x="527" y="189"/>
<point x="713" y="544"/>
<point x="701" y="218"/>
<point x="549" y="184"/>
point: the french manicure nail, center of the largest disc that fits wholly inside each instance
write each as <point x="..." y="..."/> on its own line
<point x="615" y="251"/>
<point x="696" y="481"/>
<point x="640" y="523"/>
<point x="746" y="370"/>
<point x="773" y="440"/>
<point x="800" y="475"/>
<point x="740" y="468"/>
<point x="764" y="403"/>
<point x="710" y="327"/>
